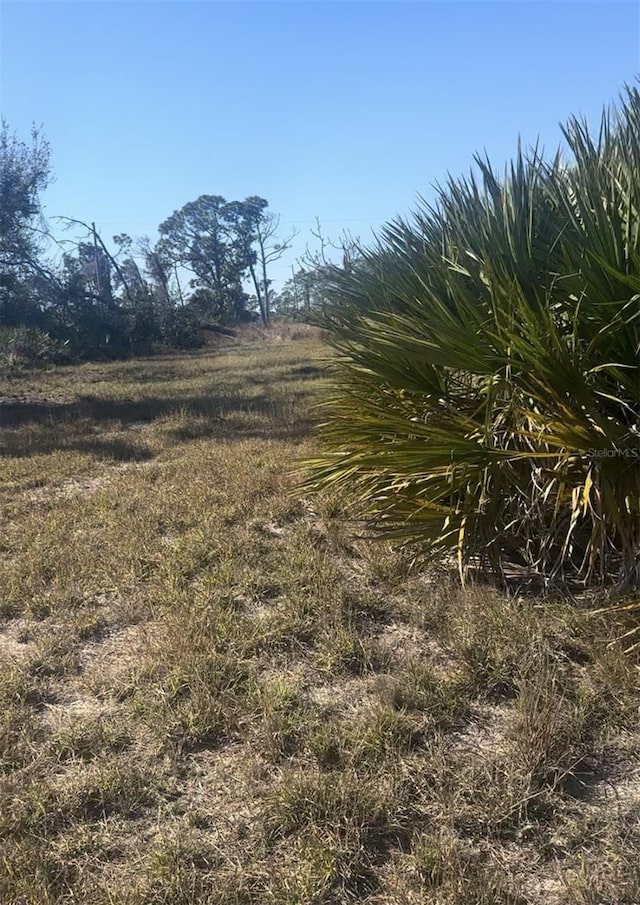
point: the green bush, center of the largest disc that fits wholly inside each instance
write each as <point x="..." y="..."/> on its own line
<point x="487" y="403"/>
<point x="22" y="347"/>
<point x="181" y="329"/>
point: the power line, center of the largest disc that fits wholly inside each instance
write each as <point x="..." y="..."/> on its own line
<point x="283" y="222"/>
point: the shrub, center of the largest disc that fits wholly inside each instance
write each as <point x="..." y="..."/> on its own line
<point x="487" y="402"/>
<point x="22" y="347"/>
<point x="181" y="329"/>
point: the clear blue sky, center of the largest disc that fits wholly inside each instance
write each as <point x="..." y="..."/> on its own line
<point x="344" y="111"/>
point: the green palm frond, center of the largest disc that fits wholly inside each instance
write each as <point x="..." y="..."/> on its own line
<point x="488" y="402"/>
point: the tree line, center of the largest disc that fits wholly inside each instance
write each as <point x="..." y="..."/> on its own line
<point x="82" y="298"/>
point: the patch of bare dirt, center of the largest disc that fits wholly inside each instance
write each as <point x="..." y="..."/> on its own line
<point x="113" y="662"/>
<point x="16" y="639"/>
<point x="404" y="640"/>
<point x="540" y="889"/>
<point x="350" y="695"/>
<point x="86" y="486"/>
<point x="70" y="487"/>
<point x="219" y="790"/>
<point x="485" y="733"/>
<point x="623" y="791"/>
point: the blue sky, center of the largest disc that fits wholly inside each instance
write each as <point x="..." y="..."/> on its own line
<point x="345" y="111"/>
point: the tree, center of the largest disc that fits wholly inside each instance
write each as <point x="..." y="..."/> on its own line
<point x="319" y="276"/>
<point x="146" y="313"/>
<point x="303" y="295"/>
<point x="196" y="238"/>
<point x="24" y="174"/>
<point x="255" y="231"/>
<point x="157" y="269"/>
<point x="222" y="244"/>
<point x="90" y="301"/>
<point x="98" y="320"/>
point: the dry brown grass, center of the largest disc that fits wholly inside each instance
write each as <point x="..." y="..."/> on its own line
<point x="212" y="692"/>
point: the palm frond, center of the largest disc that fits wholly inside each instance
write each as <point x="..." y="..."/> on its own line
<point x="488" y="399"/>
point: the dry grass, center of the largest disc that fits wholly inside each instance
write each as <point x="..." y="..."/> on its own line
<point x="212" y="692"/>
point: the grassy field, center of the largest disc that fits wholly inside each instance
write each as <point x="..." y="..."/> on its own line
<point x="211" y="691"/>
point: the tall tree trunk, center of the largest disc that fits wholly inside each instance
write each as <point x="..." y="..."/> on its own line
<point x="265" y="282"/>
<point x="264" y="313"/>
